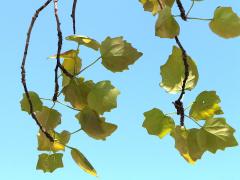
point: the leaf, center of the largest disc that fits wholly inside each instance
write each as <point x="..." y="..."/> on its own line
<point x="71" y="54"/>
<point x="173" y="73"/>
<point x="61" y="139"/>
<point x="82" y="162"/>
<point x="49" y="118"/>
<point x="117" y="54"/>
<point x="84" y="40"/>
<point x="158" y="123"/>
<point x="166" y="25"/>
<point x="103" y="97"/>
<point x="216" y="134"/>
<point x="49" y="163"/>
<point x="225" y="23"/>
<point x="36" y="102"/>
<point x="76" y="92"/>
<point x="153" y="5"/>
<point x="206" y="106"/>
<point x="186" y="143"/>
<point x="93" y="125"/>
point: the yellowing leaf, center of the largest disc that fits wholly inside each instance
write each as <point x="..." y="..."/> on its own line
<point x="216" y="134"/>
<point x="82" y="162"/>
<point x="153" y="5"/>
<point x="225" y="23"/>
<point x="84" y="40"/>
<point x="205" y="106"/>
<point x="49" y="118"/>
<point x="118" y="54"/>
<point x="166" y="26"/>
<point x="49" y="163"/>
<point x="103" y="97"/>
<point x="158" y="123"/>
<point x="61" y="139"/>
<point x="36" y="102"/>
<point x="71" y="54"/>
<point x="95" y="126"/>
<point x="173" y="73"/>
<point x="76" y="92"/>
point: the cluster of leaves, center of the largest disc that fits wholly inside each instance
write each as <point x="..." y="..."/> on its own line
<point x="91" y="100"/>
<point x="215" y="134"/>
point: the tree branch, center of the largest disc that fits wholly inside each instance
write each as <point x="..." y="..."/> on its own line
<point x="182" y="10"/>
<point x="23" y="71"/>
<point x="73" y="15"/>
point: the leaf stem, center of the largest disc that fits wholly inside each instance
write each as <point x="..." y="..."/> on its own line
<point x="193" y="120"/>
<point x="76" y="131"/>
<point x="90" y="65"/>
<point x="61" y="104"/>
<point x="193" y="2"/>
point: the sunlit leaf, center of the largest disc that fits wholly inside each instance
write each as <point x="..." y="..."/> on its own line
<point x="103" y="97"/>
<point x="153" y="5"/>
<point x="49" y="118"/>
<point x="216" y="134"/>
<point x="84" y="40"/>
<point x="173" y="73"/>
<point x="76" y="92"/>
<point x="205" y="106"/>
<point x="61" y="139"/>
<point x="166" y="25"/>
<point x="94" y="125"/>
<point x="158" y="123"/>
<point x="225" y="23"/>
<point x="36" y="102"/>
<point x="118" y="54"/>
<point x="71" y="54"/>
<point x="49" y="163"/>
<point x="82" y="162"/>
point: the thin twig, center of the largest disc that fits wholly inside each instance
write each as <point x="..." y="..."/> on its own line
<point x="182" y="10"/>
<point x="23" y="71"/>
<point x="73" y="15"/>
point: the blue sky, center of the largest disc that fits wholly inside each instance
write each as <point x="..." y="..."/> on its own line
<point x="130" y="153"/>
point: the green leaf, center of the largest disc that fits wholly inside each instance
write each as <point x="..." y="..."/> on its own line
<point x="173" y="73"/>
<point x="103" y="97"/>
<point x="157" y="123"/>
<point x="61" y="139"/>
<point x="225" y="23"/>
<point x="76" y="92"/>
<point x="206" y="106"/>
<point x="49" y="118"/>
<point x="216" y="134"/>
<point x="186" y="143"/>
<point x="36" y="102"/>
<point x="49" y="163"/>
<point x="84" y="40"/>
<point x="82" y="162"/>
<point x="118" y="54"/>
<point x="93" y="125"/>
<point x="153" y="5"/>
<point x="166" y="25"/>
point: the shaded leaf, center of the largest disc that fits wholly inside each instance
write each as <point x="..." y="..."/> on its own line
<point x="225" y="23"/>
<point x="173" y="73"/>
<point x="103" y="97"/>
<point x="82" y="162"/>
<point x="118" y="54"/>
<point x="36" y="102"/>
<point x="76" y="92"/>
<point x="93" y="125"/>
<point x="166" y="25"/>
<point x="49" y="163"/>
<point x="206" y="106"/>
<point x="49" y="118"/>
<point x="157" y="123"/>
<point x="84" y="40"/>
